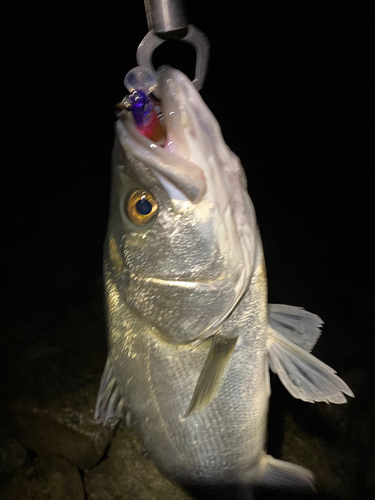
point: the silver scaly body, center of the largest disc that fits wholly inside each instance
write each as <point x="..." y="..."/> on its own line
<point x="191" y="335"/>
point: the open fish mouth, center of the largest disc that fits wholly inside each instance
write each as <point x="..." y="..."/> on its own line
<point x="196" y="165"/>
<point x="171" y="161"/>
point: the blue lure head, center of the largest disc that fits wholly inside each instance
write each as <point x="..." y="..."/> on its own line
<point x="140" y="105"/>
<point x="140" y="82"/>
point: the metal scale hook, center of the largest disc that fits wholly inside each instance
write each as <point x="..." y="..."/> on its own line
<point x="166" y="19"/>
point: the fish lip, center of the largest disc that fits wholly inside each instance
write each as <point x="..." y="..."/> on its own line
<point x="172" y="160"/>
<point x="176" y="109"/>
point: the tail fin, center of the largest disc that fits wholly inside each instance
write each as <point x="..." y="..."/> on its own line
<point x="284" y="477"/>
<point x="274" y="480"/>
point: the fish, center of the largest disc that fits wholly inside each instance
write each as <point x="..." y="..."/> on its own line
<point x="191" y="336"/>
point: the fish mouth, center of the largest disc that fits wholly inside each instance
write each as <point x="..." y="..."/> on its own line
<point x="172" y="162"/>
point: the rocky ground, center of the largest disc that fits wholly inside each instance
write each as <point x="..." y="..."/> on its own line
<point x="52" y="449"/>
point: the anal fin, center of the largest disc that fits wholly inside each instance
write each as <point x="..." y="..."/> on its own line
<point x="212" y="374"/>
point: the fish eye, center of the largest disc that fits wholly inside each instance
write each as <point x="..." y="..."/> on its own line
<point x="141" y="207"/>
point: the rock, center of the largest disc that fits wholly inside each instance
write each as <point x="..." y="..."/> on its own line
<point x="59" y="359"/>
<point x="128" y="475"/>
<point x="12" y="455"/>
<point x="52" y="480"/>
<point x="326" y="462"/>
<point x="54" y="384"/>
<point x="60" y="428"/>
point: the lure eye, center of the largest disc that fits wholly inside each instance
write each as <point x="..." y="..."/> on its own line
<point x="141" y="207"/>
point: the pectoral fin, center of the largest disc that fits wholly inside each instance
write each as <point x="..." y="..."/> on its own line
<point x="212" y="374"/>
<point x="303" y="375"/>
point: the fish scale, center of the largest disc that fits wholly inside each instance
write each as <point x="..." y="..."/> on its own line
<point x="191" y="336"/>
<point x="229" y="436"/>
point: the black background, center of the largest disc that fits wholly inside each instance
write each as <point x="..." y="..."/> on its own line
<point x="289" y="83"/>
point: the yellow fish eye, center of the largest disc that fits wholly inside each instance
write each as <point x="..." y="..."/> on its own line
<point x="141" y="207"/>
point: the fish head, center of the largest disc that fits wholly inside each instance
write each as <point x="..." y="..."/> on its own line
<point x="184" y="265"/>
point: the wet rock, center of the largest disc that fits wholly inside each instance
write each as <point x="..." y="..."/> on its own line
<point x="127" y="474"/>
<point x="326" y="462"/>
<point x="44" y="480"/>
<point x="54" y="384"/>
<point x="62" y="428"/>
<point x="12" y="455"/>
<point x="58" y="359"/>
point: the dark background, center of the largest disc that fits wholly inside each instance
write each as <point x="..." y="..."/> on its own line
<point x="289" y="83"/>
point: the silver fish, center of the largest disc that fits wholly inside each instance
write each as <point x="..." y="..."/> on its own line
<point x="191" y="336"/>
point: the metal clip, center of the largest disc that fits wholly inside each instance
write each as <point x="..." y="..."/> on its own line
<point x="166" y="19"/>
<point x="194" y="36"/>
